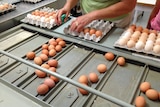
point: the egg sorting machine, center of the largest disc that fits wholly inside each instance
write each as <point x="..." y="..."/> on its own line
<point x="117" y="87"/>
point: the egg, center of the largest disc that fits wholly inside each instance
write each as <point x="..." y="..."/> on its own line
<point x="42" y="89"/>
<point x="139" y="45"/>
<point x="109" y="56"/>
<point x="40" y="73"/>
<point x="44" y="57"/>
<point x="126" y="35"/>
<point x="55" y="79"/>
<point x="53" y="63"/>
<point x="52" y="21"/>
<point x="52" y="69"/>
<point x="148" y="47"/>
<point x="152" y="94"/>
<point x="62" y="43"/>
<point x="38" y="60"/>
<point x="157" y="41"/>
<point x="136" y="35"/>
<point x="51" y="40"/>
<point x="152" y="37"/>
<point x="156" y="49"/>
<point x="83" y="79"/>
<point x="45" y="46"/>
<point x="52" y="52"/>
<point x="83" y="91"/>
<point x="86" y="30"/>
<point x="93" y="77"/>
<point x="49" y="82"/>
<point x="140" y="101"/>
<point x="51" y="47"/>
<point x="131" y="43"/>
<point x="153" y="31"/>
<point x="139" y="28"/>
<point x="45" y="66"/>
<point x="53" y="43"/>
<point x="30" y="55"/>
<point x="122" y="41"/>
<point x="133" y="27"/>
<point x="45" y="51"/>
<point x="102" y="68"/>
<point x="145" y="86"/>
<point x="145" y="30"/>
<point x="59" y="39"/>
<point x="92" y="31"/>
<point x="121" y="61"/>
<point x="58" y="48"/>
<point x="98" y="33"/>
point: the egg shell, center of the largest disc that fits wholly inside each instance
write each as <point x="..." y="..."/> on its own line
<point x="45" y="66"/>
<point x="45" y="51"/>
<point x="44" y="57"/>
<point x="53" y="62"/>
<point x="58" y="48"/>
<point x="148" y="47"/>
<point x="40" y="73"/>
<point x="139" y="45"/>
<point x="127" y="35"/>
<point x="83" y="79"/>
<point x="86" y="30"/>
<point x="62" y="43"/>
<point x="55" y="79"/>
<point x="145" y="30"/>
<point x="49" y="82"/>
<point x="122" y="41"/>
<point x="144" y="86"/>
<point x="51" y="47"/>
<point x="136" y="34"/>
<point x="51" y="40"/>
<point x="131" y="43"/>
<point x="59" y="39"/>
<point x="109" y="56"/>
<point x="152" y="94"/>
<point x="157" y="41"/>
<point x="133" y="27"/>
<point x="38" y="60"/>
<point x="98" y="33"/>
<point x="139" y="28"/>
<point x="42" y="89"/>
<point x="83" y="91"/>
<point x="93" y="77"/>
<point x="152" y="37"/>
<point x="156" y="49"/>
<point x="140" y="101"/>
<point x="52" y="69"/>
<point x="102" y="68"/>
<point x="121" y="61"/>
<point x="52" y="52"/>
<point x="153" y="31"/>
<point x="92" y="31"/>
<point x="30" y="55"/>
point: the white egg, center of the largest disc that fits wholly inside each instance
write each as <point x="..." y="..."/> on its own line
<point x="156" y="49"/>
<point x="52" y="21"/>
<point x="130" y="43"/>
<point x="42" y="19"/>
<point x="122" y="41"/>
<point x="139" y="45"/>
<point x="29" y="16"/>
<point x="148" y="47"/>
<point x="149" y="42"/>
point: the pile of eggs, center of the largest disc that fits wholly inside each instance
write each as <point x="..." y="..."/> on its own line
<point x="44" y="18"/>
<point x="4" y="7"/>
<point x="45" y="60"/>
<point x="93" y="31"/>
<point x="140" y="39"/>
<point x="32" y="1"/>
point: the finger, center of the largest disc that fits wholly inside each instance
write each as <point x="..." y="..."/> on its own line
<point x="79" y="28"/>
<point x="73" y="26"/>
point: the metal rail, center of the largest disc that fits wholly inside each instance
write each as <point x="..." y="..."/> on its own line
<point x="94" y="91"/>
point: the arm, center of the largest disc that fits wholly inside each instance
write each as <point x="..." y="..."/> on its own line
<point x="154" y="12"/>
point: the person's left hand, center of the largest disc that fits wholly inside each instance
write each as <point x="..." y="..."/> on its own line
<point x="80" y="22"/>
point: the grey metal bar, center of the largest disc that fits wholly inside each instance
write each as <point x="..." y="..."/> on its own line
<point x="94" y="91"/>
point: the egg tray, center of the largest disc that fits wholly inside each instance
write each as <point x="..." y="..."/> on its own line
<point x="32" y="19"/>
<point x="104" y="26"/>
<point x="11" y="8"/>
<point x="126" y="34"/>
<point x="32" y="1"/>
<point x="121" y="82"/>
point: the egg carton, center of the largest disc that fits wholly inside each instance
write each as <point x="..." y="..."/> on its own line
<point x="102" y="25"/>
<point x="32" y="1"/>
<point x="40" y="21"/>
<point x="142" y="49"/>
<point x="11" y="7"/>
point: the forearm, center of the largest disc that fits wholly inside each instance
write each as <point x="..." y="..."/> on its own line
<point x="115" y="10"/>
<point x="70" y="4"/>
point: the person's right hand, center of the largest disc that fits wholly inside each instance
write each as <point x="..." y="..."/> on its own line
<point x="59" y="14"/>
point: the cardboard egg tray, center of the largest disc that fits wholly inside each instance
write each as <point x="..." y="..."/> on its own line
<point x="32" y="1"/>
<point x="147" y="47"/>
<point x="40" y="21"/>
<point x="104" y="26"/>
<point x="11" y="7"/>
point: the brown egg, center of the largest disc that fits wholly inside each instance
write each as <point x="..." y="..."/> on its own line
<point x="83" y="79"/>
<point x="52" y="69"/>
<point x="83" y="91"/>
<point x="131" y="43"/>
<point x="45" y="66"/>
<point x="139" y="28"/>
<point x="58" y="48"/>
<point x="86" y="30"/>
<point x="49" y="82"/>
<point x="59" y="39"/>
<point x="42" y="89"/>
<point x="31" y="55"/>
<point x="40" y="73"/>
<point x="121" y="61"/>
<point x="53" y="43"/>
<point x="62" y="43"/>
<point x="152" y="94"/>
<point x="93" y="77"/>
<point x="52" y="52"/>
<point x="53" y="63"/>
<point x="109" y="56"/>
<point x="145" y="86"/>
<point x="98" y="33"/>
<point x="38" y="60"/>
<point x="45" y="46"/>
<point x="55" y="79"/>
<point x="133" y="27"/>
<point x="45" y="51"/>
<point x="92" y="31"/>
<point x="156" y="49"/>
<point x="140" y="101"/>
<point x="153" y="31"/>
<point x="51" y="47"/>
<point x="51" y="40"/>
<point x="145" y="30"/>
<point x="44" y="57"/>
<point x="102" y="68"/>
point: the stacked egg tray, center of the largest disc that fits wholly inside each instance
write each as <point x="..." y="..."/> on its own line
<point x="32" y="1"/>
<point x="140" y="40"/>
<point x="117" y="87"/>
<point x="101" y="25"/>
<point x="6" y="7"/>
<point x="44" y="18"/>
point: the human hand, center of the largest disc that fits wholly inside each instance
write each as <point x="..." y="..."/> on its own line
<point x="80" y="22"/>
<point x="59" y="14"/>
